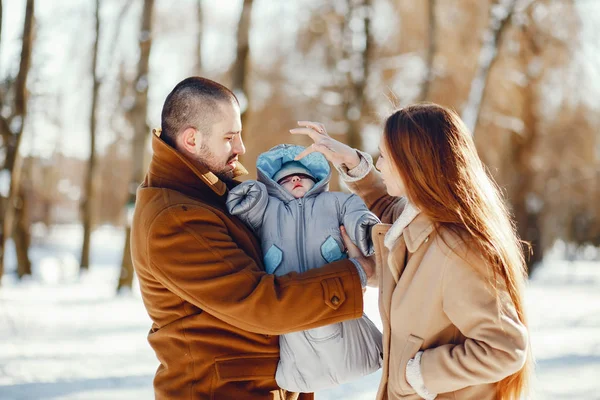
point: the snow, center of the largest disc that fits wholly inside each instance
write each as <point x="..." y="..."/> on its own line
<point x="5" y="179"/>
<point x="65" y="336"/>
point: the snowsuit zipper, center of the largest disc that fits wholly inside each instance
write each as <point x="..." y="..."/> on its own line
<point x="301" y="248"/>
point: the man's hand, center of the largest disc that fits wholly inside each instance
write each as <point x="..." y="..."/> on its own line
<point x="367" y="263"/>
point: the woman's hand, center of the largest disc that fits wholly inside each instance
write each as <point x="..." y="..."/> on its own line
<point x="335" y="152"/>
<point x="367" y="263"/>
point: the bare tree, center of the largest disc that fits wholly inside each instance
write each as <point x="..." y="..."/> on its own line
<point x="500" y="15"/>
<point x="200" y="19"/>
<point x="137" y="117"/>
<point x="527" y="218"/>
<point x="11" y="131"/>
<point x="21" y="234"/>
<point x="532" y="205"/>
<point x="239" y="71"/>
<point x="88" y="195"/>
<point x="357" y="57"/>
<point x="0" y="21"/>
<point x="431" y="49"/>
<point x="119" y="24"/>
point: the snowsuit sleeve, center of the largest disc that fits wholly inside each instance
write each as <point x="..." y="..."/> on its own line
<point x="248" y="201"/>
<point x="358" y="221"/>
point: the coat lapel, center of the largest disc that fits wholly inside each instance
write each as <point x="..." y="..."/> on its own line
<point x="417" y="232"/>
<point x="397" y="259"/>
<point x="383" y="275"/>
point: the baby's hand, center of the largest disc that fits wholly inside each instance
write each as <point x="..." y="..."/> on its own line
<point x="245" y="196"/>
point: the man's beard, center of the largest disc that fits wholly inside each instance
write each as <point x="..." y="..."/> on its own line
<point x="209" y="161"/>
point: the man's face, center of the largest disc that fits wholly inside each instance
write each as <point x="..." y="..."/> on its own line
<point x="297" y="185"/>
<point x="218" y="150"/>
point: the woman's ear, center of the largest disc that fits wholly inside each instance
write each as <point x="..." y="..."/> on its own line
<point x="190" y="140"/>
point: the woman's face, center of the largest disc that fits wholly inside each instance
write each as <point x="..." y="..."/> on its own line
<point x="389" y="173"/>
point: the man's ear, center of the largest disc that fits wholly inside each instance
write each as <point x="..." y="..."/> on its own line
<point x="189" y="139"/>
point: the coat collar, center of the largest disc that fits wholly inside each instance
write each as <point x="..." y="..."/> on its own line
<point x="169" y="169"/>
<point x="417" y="232"/>
<point x="414" y="225"/>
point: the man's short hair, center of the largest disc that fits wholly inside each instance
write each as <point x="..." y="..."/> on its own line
<point x="194" y="102"/>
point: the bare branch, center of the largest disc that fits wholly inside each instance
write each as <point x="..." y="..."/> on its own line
<point x="500" y="16"/>
<point x="431" y="50"/>
<point x="21" y="81"/>
<point x="243" y="47"/>
<point x="119" y="22"/>
<point x="0" y="21"/>
<point x="199" y="19"/>
<point x="88" y="196"/>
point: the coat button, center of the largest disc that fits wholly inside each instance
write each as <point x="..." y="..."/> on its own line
<point x="427" y="239"/>
<point x="335" y="300"/>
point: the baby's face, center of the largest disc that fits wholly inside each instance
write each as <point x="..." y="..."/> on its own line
<point x="297" y="185"/>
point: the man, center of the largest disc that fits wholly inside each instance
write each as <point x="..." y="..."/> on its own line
<point x="216" y="314"/>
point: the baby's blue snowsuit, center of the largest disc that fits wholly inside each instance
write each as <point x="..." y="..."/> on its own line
<point x="301" y="234"/>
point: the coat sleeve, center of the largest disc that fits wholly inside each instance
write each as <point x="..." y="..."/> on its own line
<point x="358" y="221"/>
<point x="193" y="255"/>
<point x="496" y="344"/>
<point x="248" y="201"/>
<point x="372" y="191"/>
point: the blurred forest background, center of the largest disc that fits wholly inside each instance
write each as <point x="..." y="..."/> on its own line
<point x="82" y="84"/>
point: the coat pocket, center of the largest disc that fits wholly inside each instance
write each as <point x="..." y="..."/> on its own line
<point x="331" y="251"/>
<point x="397" y="379"/>
<point x="246" y="367"/>
<point x="325" y="333"/>
<point x="272" y="259"/>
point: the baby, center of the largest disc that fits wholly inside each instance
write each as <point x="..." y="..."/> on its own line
<point x="298" y="222"/>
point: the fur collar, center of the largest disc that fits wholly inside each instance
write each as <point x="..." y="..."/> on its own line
<point x="410" y="212"/>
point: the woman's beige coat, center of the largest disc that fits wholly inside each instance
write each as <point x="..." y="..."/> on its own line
<point x="434" y="296"/>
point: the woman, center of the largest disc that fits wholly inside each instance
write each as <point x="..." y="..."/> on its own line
<point x="450" y="266"/>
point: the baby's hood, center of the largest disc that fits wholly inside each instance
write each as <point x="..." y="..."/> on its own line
<point x="268" y="163"/>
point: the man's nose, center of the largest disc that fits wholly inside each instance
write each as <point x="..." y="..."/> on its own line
<point x="238" y="146"/>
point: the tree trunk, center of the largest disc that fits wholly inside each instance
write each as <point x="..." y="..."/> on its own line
<point x="243" y="49"/>
<point x="355" y="91"/>
<point x="239" y="71"/>
<point x="87" y="203"/>
<point x="21" y="235"/>
<point x="487" y="56"/>
<point x="431" y="49"/>
<point x="137" y="117"/>
<point x="526" y="218"/>
<point x="200" y="19"/>
<point x="0" y="21"/>
<point x="12" y="139"/>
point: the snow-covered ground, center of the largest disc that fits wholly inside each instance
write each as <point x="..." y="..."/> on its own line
<point x="65" y="337"/>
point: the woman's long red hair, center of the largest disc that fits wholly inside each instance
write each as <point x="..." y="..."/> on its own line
<point x="435" y="155"/>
